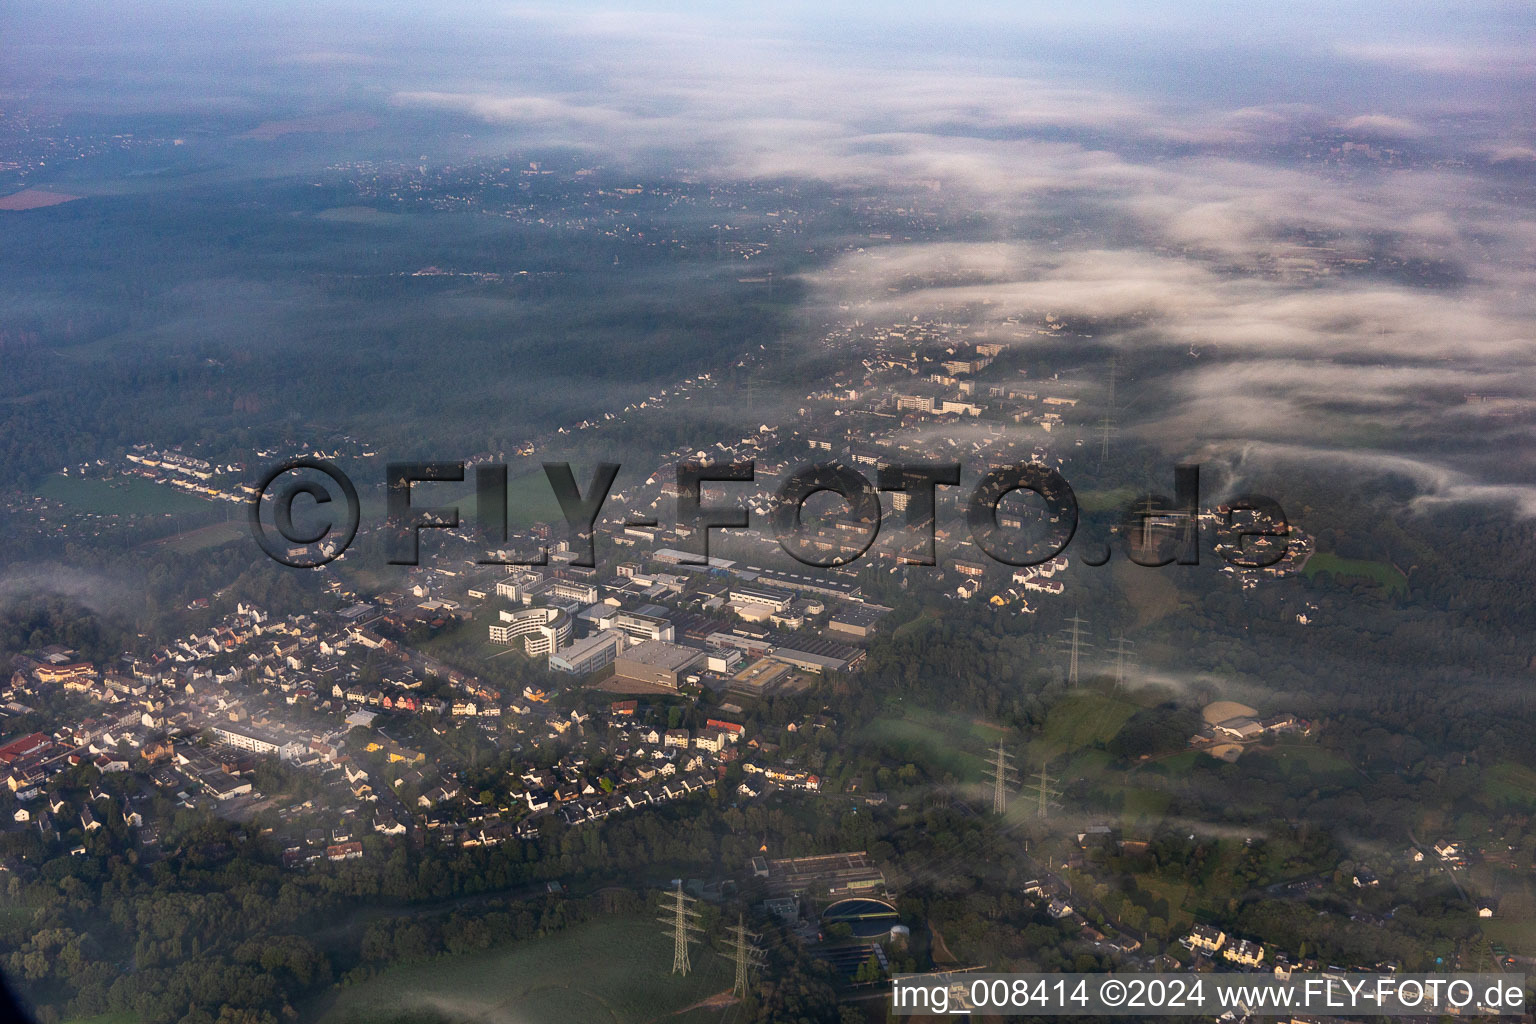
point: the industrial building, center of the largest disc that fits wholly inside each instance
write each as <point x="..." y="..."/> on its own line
<point x="831" y="875"/>
<point x="771" y="597"/>
<point x="656" y="661"/>
<point x="638" y="626"/>
<point x="596" y="651"/>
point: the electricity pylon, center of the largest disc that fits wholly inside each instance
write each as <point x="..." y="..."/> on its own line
<point x="1121" y="643"/>
<point x="1045" y="793"/>
<point x="1074" y="632"/>
<point x="744" y="953"/>
<point x="1108" y="425"/>
<point x="682" y="921"/>
<point x="1002" y="774"/>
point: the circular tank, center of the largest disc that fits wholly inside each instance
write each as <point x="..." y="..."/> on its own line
<point x="869" y="918"/>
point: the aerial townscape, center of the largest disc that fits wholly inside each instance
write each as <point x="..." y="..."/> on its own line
<point x="1049" y="497"/>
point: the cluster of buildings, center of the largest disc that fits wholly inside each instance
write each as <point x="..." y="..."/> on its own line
<point x="657" y="624"/>
<point x="1211" y="946"/>
<point x="1284" y="545"/>
<point x="1212" y="941"/>
<point x="189" y="473"/>
<point x="193" y="717"/>
<point x="1059" y="904"/>
<point x="1228" y="727"/>
<point x="648" y="768"/>
<point x="221" y="480"/>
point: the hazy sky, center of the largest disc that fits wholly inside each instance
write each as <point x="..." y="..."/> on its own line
<point x="1404" y="54"/>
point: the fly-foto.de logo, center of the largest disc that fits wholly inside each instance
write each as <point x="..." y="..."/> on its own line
<point x="1155" y="530"/>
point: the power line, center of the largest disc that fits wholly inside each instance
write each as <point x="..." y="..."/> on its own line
<point x="1002" y="774"/>
<point x="682" y="922"/>
<point x="744" y="953"/>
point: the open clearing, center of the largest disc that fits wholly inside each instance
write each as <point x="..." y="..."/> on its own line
<point x="1150" y="591"/>
<point x="210" y="536"/>
<point x="1388" y="577"/>
<point x="1175" y="893"/>
<point x="956" y="744"/>
<point x="35" y="199"/>
<point x="530" y="499"/>
<point x="1084" y="721"/>
<point x="614" y="970"/>
<point x="1517" y="936"/>
<point x="1508" y="783"/>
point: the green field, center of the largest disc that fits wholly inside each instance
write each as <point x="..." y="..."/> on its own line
<point x="1517" y="936"/>
<point x="472" y="632"/>
<point x="1386" y="576"/>
<point x="530" y="499"/>
<point x="1085" y="720"/>
<point x="608" y="971"/>
<point x="1510" y="783"/>
<point x="123" y="496"/>
<point x="1145" y="807"/>
<point x="962" y="745"/>
<point x="1176" y="764"/>
<point x="951" y="743"/>
<point x="1103" y="500"/>
<point x="1310" y="759"/>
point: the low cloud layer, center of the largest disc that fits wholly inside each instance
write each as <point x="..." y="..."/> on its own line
<point x="1308" y="233"/>
<point x="1350" y="279"/>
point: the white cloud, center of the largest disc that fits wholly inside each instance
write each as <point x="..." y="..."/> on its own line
<point x="1384" y="125"/>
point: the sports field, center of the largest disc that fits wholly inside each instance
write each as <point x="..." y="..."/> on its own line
<point x="1386" y="576"/>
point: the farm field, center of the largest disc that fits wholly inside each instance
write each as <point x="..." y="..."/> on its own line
<point x="608" y="971"/>
<point x="1144" y="808"/>
<point x="530" y="499"/>
<point x="1150" y="591"/>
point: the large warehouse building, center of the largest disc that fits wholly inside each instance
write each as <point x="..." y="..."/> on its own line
<point x="656" y="661"/>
